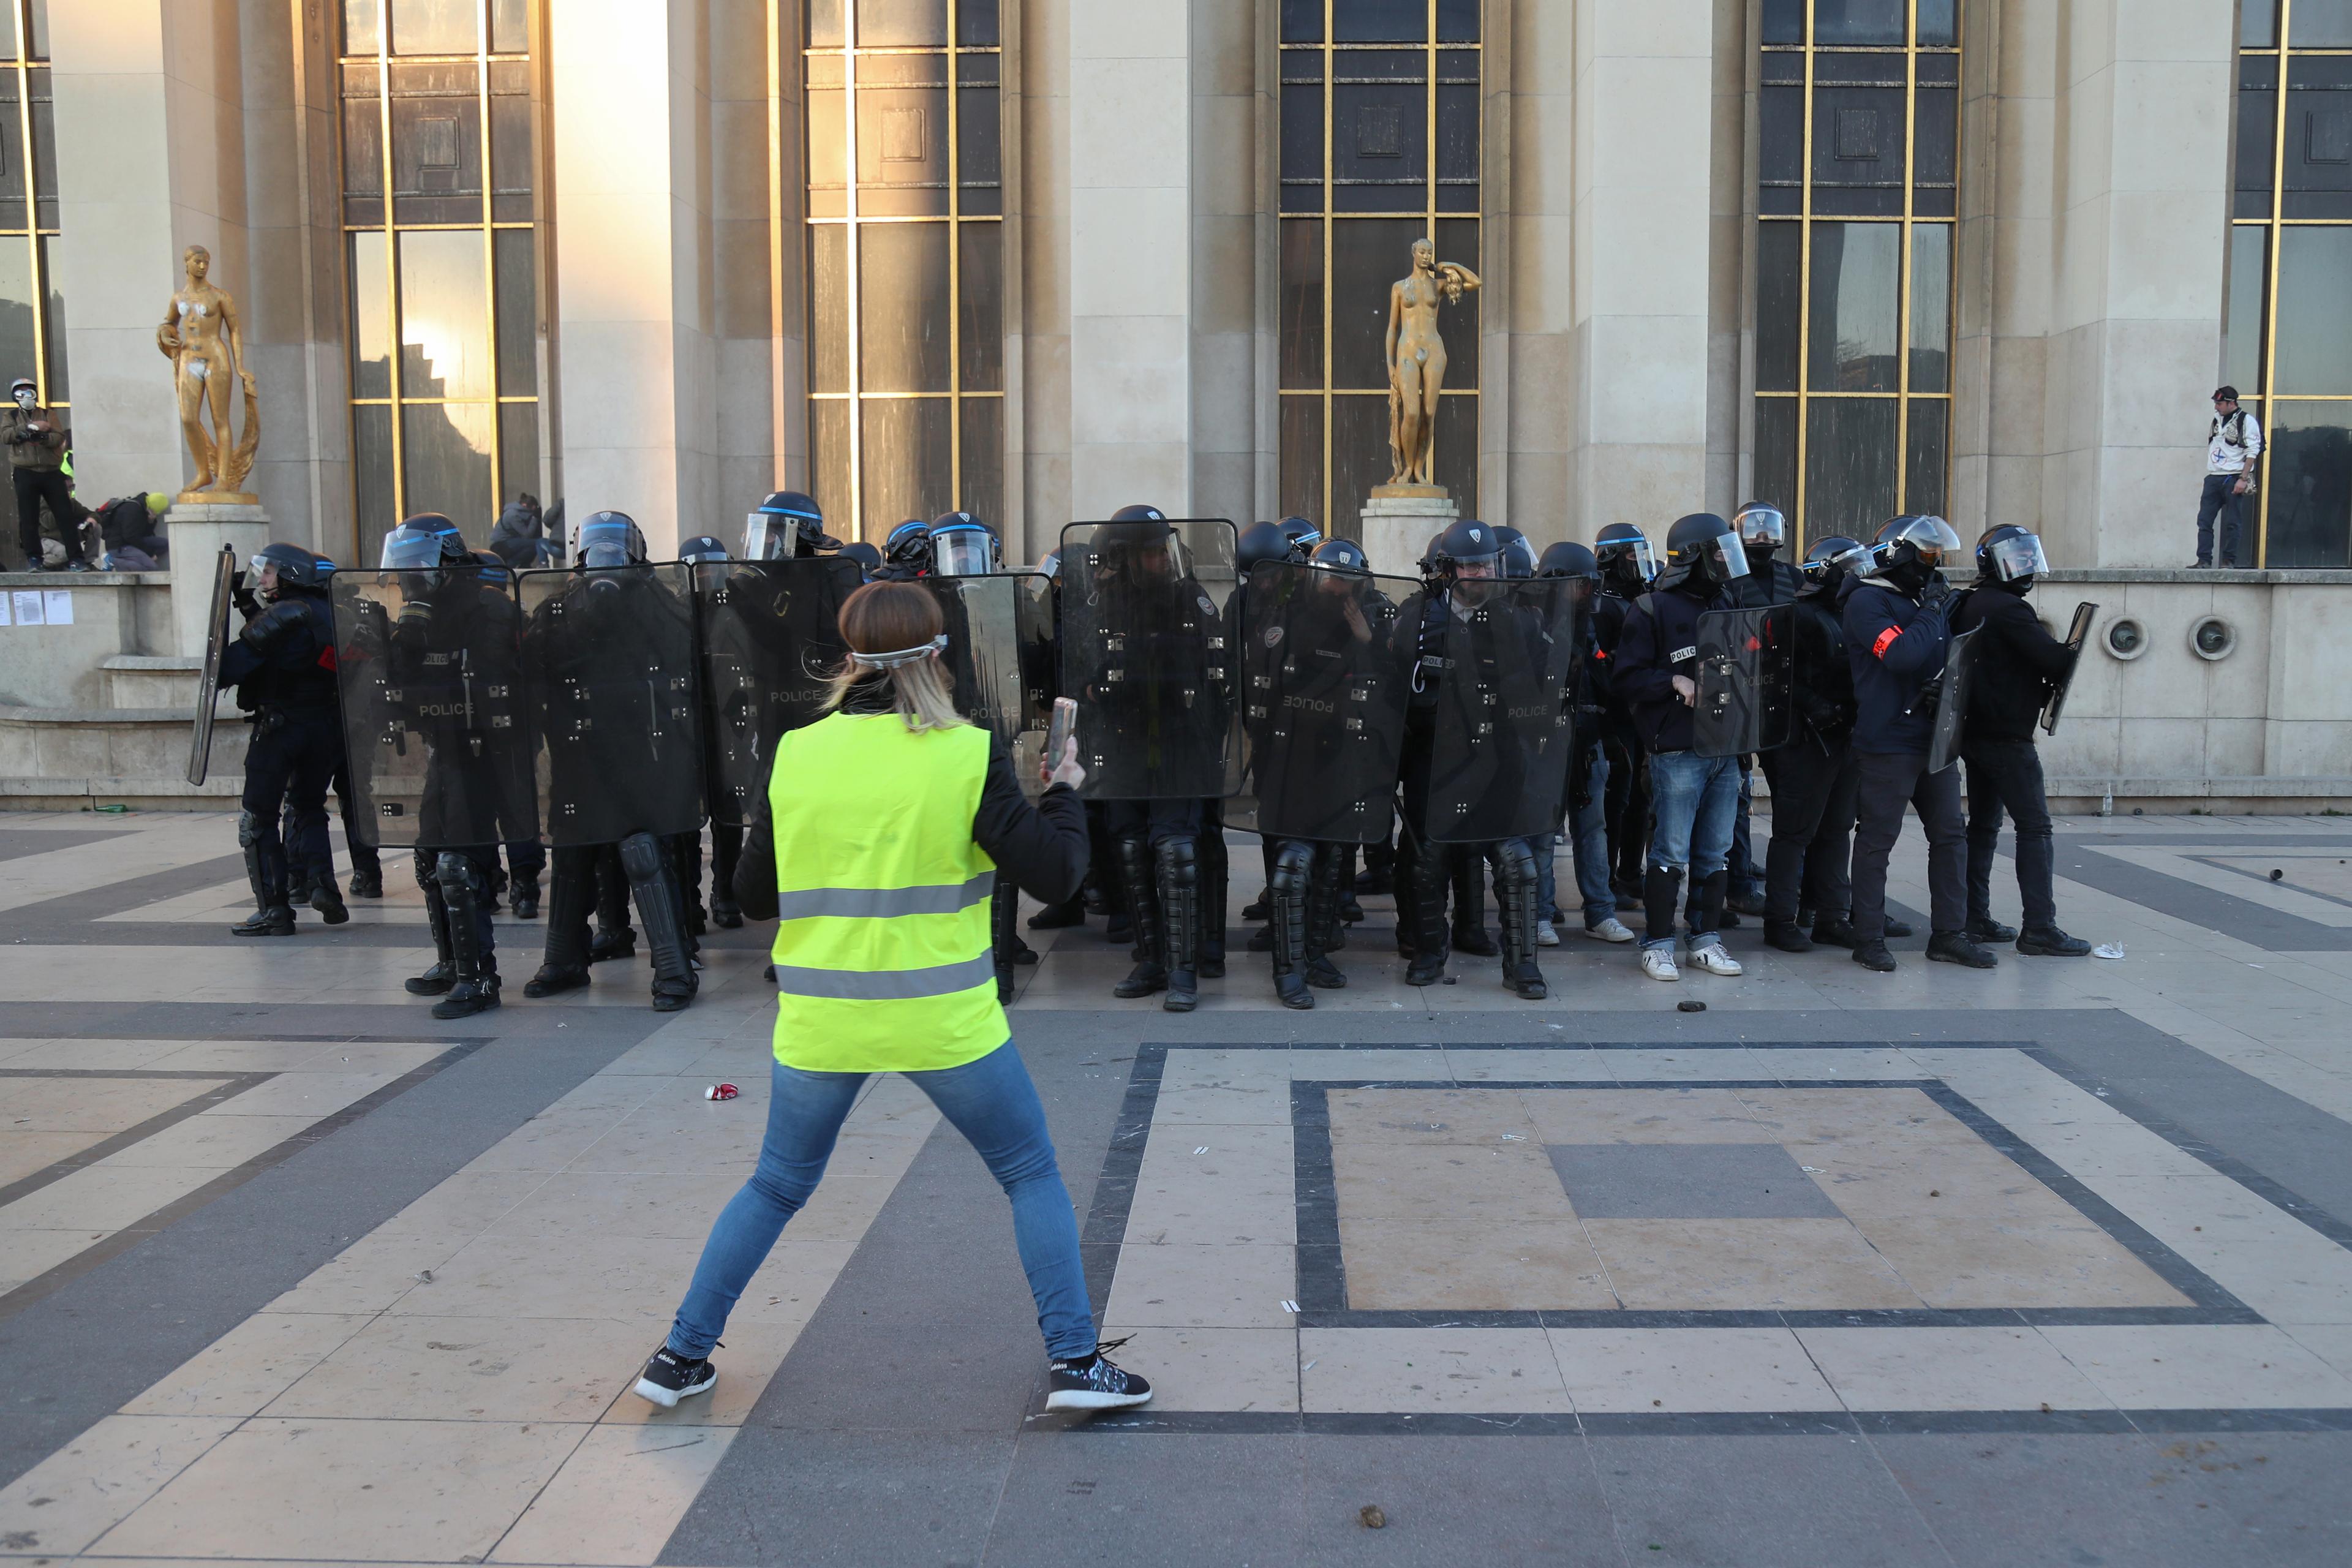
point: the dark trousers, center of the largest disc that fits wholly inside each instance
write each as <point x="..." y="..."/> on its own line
<point x="1746" y="872"/>
<point x="1809" y="858"/>
<point x="35" y="486"/>
<point x="1154" y="821"/>
<point x="363" y="854"/>
<point x="288" y="765"/>
<point x="1887" y="784"/>
<point x="1626" y="802"/>
<point x="2222" y="500"/>
<point x="2006" y="775"/>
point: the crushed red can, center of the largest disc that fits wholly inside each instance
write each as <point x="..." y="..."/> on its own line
<point x="721" y="1091"/>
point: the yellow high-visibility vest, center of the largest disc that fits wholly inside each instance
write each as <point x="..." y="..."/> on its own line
<point x="882" y="937"/>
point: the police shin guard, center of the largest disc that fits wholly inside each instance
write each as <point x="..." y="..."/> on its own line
<point x="463" y="891"/>
<point x="1214" y="874"/>
<point x="1470" y="908"/>
<point x="436" y="980"/>
<point x="1151" y="971"/>
<point x="1431" y="945"/>
<point x="1178" y="863"/>
<point x="1326" y="887"/>
<point x="660" y="911"/>
<point x="1661" y="893"/>
<point x="1287" y="894"/>
<point x="272" y="916"/>
<point x="1515" y="890"/>
<point x="1003" y="904"/>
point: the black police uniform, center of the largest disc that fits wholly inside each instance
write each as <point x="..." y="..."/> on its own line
<point x="283" y="667"/>
<point x="2017" y="661"/>
<point x="1626" y="799"/>
<point x="1808" y="861"/>
<point x="1896" y="641"/>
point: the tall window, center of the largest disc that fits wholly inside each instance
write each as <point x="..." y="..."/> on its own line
<point x="32" y="298"/>
<point x="2289" y="314"/>
<point x="1859" y="153"/>
<point x="442" y="277"/>
<point x="1380" y="148"/>
<point x="906" y="268"/>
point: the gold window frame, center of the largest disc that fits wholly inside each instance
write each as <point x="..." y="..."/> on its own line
<point x="23" y="65"/>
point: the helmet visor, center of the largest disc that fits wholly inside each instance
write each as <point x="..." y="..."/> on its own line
<point x="2020" y="555"/>
<point x="764" y="536"/>
<point x="404" y="550"/>
<point x="963" y="553"/>
<point x="703" y="552"/>
<point x="1733" y="556"/>
<point x="1931" y="537"/>
<point x="1762" y="527"/>
<point x="1644" y="557"/>
<point x="603" y="546"/>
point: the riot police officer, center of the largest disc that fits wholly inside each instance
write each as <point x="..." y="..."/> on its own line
<point x="787" y="526"/>
<point x="1585" y="811"/>
<point x="1807" y="861"/>
<point x="1763" y="531"/>
<point x="367" y="866"/>
<point x="610" y="660"/>
<point x="1897" y="637"/>
<point x="1694" y="798"/>
<point x="2016" y="663"/>
<point x="283" y="666"/>
<point x="905" y="553"/>
<point x="1460" y="578"/>
<point x="1627" y="564"/>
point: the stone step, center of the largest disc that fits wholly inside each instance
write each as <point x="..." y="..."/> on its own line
<point x="45" y="745"/>
<point x="152" y="680"/>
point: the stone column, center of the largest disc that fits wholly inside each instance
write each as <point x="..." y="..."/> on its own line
<point x="1636" y="393"/>
<point x="632" y="264"/>
<point x="1130" y="259"/>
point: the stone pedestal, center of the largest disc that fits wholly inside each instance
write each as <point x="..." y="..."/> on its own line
<point x="1397" y="522"/>
<point x="197" y="534"/>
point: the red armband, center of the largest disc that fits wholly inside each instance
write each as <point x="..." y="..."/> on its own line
<point x="1885" y="640"/>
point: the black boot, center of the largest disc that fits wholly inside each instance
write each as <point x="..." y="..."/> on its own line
<point x="1470" y="908"/>
<point x="615" y="936"/>
<point x="1786" y="935"/>
<point x="523" y="895"/>
<point x="327" y="900"/>
<point x="662" y="911"/>
<point x="367" y="883"/>
<point x="1954" y="947"/>
<point x="2051" y="943"/>
<point x="1151" y="971"/>
<point x="1515" y="889"/>
<point x="572" y="893"/>
<point x="1833" y="931"/>
<point x="272" y="915"/>
<point x="1661" y="894"/>
<point x="1990" y="930"/>
<point x="436" y="980"/>
<point x="1325" y="933"/>
<point x="1286" y="916"/>
<point x="1874" y="955"/>
<point x="1431" y="944"/>
<point x="477" y="990"/>
<point x="1177" y="863"/>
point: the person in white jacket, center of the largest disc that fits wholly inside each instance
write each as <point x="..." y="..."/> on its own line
<point x="2231" y="447"/>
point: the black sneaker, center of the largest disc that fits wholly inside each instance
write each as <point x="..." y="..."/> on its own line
<point x="1091" y="1383"/>
<point x="1874" y="955"/>
<point x="669" y="1377"/>
<point x="1954" y="947"/>
<point x="2052" y="944"/>
<point x="1896" y="928"/>
<point x="1989" y="931"/>
<point x="328" y="903"/>
<point x="367" y="884"/>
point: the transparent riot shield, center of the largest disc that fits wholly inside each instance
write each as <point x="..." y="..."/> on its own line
<point x="1323" y="703"/>
<point x="771" y="641"/>
<point x="1952" y="700"/>
<point x="428" y="666"/>
<point x="199" y="746"/>
<point x="608" y="667"/>
<point x="1147" y="656"/>
<point x="2077" y="633"/>
<point x="1502" y="731"/>
<point x="983" y="618"/>
<point x="1746" y="681"/>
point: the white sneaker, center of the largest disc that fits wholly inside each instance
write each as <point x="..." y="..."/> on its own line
<point x="1545" y="935"/>
<point x="1715" y="960"/>
<point x="1658" y="963"/>
<point x="1611" y="929"/>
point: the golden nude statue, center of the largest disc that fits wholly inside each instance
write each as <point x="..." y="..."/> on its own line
<point x="199" y="336"/>
<point x="1417" y="361"/>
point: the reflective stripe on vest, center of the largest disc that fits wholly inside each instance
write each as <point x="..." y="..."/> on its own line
<point x="882" y="944"/>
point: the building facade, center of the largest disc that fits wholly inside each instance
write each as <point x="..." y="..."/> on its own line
<point x="1039" y="259"/>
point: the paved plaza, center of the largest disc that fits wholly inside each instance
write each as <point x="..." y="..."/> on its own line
<point x="2050" y="1265"/>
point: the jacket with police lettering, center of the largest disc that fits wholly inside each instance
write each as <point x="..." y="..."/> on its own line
<point x="1895" y="647"/>
<point x="1661" y="641"/>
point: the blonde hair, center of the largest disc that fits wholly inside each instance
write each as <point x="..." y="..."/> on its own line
<point x="893" y="617"/>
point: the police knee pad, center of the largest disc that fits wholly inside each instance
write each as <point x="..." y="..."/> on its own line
<point x="1179" y="860"/>
<point x="1515" y="863"/>
<point x="1293" y="865"/>
<point x="249" y="829"/>
<point x="642" y="859"/>
<point x="455" y="874"/>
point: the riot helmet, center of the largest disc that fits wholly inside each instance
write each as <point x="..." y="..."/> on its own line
<point x="1828" y="561"/>
<point x="606" y="539"/>
<point x="1468" y="549"/>
<point x="1909" y="550"/>
<point x="23" y="392"/>
<point x="785" y="527"/>
<point x="1762" y="530"/>
<point x="869" y="559"/>
<point x="703" y="549"/>
<point x="1701" y="545"/>
<point x="421" y="543"/>
<point x="1570" y="559"/>
<point x="1344" y="556"/>
<point x="494" y="568"/>
<point x="963" y="546"/>
<point x="907" y="549"/>
<point x="1138" y="514"/>
<point x="282" y="569"/>
<point x="1259" y="544"/>
<point x="2010" y="557"/>
<point x="1303" y="536"/>
<point x="1627" y="561"/>
<point x="1519" y="555"/>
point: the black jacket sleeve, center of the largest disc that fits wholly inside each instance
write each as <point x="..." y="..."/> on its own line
<point x="2022" y="633"/>
<point x="1043" y="848"/>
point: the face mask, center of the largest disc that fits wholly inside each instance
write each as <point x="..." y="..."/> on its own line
<point x="24" y="400"/>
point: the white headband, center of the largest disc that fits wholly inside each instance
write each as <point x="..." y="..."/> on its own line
<point x="903" y="656"/>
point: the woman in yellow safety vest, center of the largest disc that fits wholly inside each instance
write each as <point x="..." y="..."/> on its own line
<point x="876" y="852"/>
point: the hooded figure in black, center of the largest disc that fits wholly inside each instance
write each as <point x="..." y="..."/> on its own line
<point x="2018" y="664"/>
<point x="1813" y="777"/>
<point x="1627" y="564"/>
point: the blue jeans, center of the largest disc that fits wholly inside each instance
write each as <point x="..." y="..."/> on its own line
<point x="2219" y="500"/>
<point x="1694" y="802"/>
<point x="1543" y="846"/>
<point x="1588" y="827"/>
<point x="990" y="1101"/>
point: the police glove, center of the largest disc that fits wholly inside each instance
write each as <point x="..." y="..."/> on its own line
<point x="1937" y="596"/>
<point x="269" y="631"/>
<point x="242" y="597"/>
